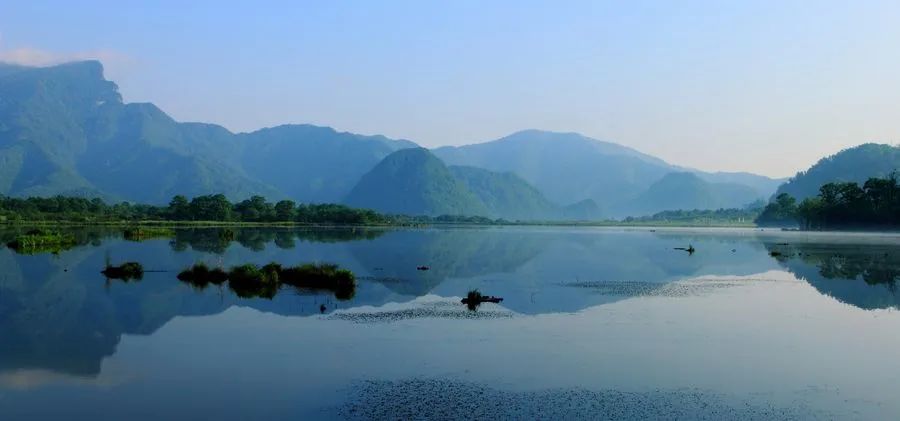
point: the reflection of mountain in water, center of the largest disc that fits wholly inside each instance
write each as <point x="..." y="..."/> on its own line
<point x="862" y="275"/>
<point x="394" y="259"/>
<point x="58" y="313"/>
<point x="555" y="279"/>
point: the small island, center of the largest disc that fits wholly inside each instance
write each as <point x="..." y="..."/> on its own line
<point x="252" y="281"/>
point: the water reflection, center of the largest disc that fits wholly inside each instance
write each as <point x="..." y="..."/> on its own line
<point x="57" y="313"/>
<point x="862" y="275"/>
<point x="217" y="240"/>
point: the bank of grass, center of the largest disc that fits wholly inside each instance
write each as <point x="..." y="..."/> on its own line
<point x="40" y="241"/>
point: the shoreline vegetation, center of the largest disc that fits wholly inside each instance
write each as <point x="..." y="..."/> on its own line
<point x="840" y="206"/>
<point x="41" y="241"/>
<point x="149" y="221"/>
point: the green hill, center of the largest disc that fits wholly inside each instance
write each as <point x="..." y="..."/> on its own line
<point x="415" y="182"/>
<point x="506" y="195"/>
<point x="856" y="164"/>
<point x="65" y="130"/>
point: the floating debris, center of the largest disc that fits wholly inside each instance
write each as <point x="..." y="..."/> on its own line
<point x="690" y="249"/>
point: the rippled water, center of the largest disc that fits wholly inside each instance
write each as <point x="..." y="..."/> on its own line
<point x="595" y="323"/>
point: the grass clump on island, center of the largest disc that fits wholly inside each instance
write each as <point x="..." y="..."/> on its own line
<point x="37" y="241"/>
<point x="321" y="276"/>
<point x="140" y="233"/>
<point x="249" y="280"/>
<point x="125" y="272"/>
<point x="200" y="275"/>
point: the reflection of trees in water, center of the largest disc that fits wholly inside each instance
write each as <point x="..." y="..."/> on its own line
<point x="873" y="264"/>
<point x="217" y="240"/>
<point x="60" y="314"/>
<point x="865" y="276"/>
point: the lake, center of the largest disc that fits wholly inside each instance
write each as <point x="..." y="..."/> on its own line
<point x="595" y="323"/>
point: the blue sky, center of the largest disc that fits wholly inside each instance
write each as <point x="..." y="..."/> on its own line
<point x="768" y="87"/>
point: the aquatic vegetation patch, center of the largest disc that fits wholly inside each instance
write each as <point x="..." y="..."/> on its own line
<point x="249" y="281"/>
<point x="322" y="276"/>
<point x="125" y="272"/>
<point x="200" y="275"/>
<point x="252" y="281"/>
<point x="40" y="241"/>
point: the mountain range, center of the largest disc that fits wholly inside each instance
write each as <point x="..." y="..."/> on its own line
<point x="65" y="130"/>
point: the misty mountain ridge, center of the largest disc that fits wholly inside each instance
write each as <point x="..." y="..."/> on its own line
<point x="415" y="182"/>
<point x="65" y="130"/>
<point x="569" y="168"/>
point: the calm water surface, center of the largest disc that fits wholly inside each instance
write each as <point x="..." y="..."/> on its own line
<point x="596" y="323"/>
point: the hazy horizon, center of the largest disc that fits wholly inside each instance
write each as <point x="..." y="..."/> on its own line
<point x="765" y="87"/>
